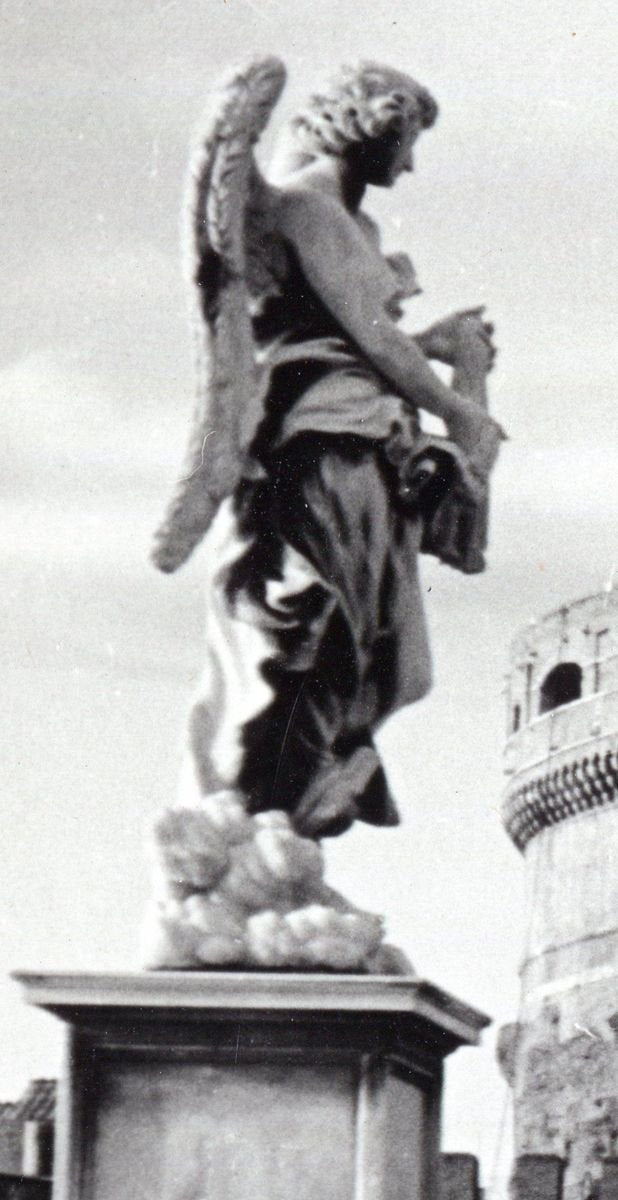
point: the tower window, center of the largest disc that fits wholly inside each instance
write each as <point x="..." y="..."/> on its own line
<point x="516" y="717"/>
<point x="563" y="685"/>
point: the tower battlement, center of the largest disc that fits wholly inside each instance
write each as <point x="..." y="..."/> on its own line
<point x="562" y="736"/>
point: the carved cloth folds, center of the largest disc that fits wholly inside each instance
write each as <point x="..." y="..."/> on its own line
<point x="315" y="625"/>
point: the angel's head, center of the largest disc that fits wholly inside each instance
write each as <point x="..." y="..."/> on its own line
<point x="370" y="114"/>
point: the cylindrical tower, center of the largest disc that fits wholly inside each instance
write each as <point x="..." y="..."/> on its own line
<point x="561" y="810"/>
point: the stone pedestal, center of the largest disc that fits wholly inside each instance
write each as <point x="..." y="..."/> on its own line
<point x="242" y="1086"/>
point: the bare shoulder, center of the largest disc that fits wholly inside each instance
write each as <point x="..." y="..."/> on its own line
<point x="340" y="260"/>
<point x="306" y="213"/>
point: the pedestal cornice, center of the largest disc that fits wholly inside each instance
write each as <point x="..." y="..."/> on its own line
<point x="74" y="996"/>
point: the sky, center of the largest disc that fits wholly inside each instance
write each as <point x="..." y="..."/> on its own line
<point x="512" y="205"/>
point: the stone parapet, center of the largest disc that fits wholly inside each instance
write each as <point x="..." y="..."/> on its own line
<point x="563" y="784"/>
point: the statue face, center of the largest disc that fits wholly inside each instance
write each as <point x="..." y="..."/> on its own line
<point x="382" y="160"/>
<point x="402" y="157"/>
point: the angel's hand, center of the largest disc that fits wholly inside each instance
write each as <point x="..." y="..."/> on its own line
<point x="457" y="339"/>
<point x="475" y="432"/>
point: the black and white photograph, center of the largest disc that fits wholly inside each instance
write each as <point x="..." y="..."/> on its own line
<point x="309" y="749"/>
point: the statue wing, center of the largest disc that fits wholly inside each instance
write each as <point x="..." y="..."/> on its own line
<point x="226" y="191"/>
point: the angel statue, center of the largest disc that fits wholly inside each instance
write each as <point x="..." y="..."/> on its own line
<point x="314" y="488"/>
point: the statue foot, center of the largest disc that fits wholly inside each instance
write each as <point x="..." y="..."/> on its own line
<point x="343" y="791"/>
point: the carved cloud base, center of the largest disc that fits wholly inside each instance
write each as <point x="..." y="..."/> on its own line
<point x="232" y="890"/>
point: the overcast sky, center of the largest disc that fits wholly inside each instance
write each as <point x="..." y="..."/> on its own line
<point x="512" y="204"/>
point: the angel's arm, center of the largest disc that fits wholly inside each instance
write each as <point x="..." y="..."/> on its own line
<point x="355" y="284"/>
<point x="447" y="341"/>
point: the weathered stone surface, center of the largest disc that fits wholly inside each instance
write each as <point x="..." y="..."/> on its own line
<point x="608" y="1185"/>
<point x="561" y="808"/>
<point x="537" y="1177"/>
<point x="459" y="1177"/>
<point x="562" y="1058"/>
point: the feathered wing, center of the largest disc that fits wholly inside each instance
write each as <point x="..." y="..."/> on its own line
<point x="225" y="187"/>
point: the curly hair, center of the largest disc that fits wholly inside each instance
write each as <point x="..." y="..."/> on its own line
<point x="367" y="101"/>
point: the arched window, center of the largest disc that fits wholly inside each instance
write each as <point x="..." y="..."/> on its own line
<point x="516" y="718"/>
<point x="561" y="686"/>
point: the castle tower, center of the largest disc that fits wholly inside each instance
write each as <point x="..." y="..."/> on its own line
<point x="561" y="811"/>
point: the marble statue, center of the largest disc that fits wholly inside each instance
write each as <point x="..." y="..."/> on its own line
<point x="313" y="488"/>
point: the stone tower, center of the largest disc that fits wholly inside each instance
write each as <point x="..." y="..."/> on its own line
<point x="561" y="811"/>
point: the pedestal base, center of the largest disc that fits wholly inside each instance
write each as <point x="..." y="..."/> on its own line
<point x="223" y="1086"/>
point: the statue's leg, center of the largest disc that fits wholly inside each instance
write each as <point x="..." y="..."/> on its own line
<point x="337" y="508"/>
